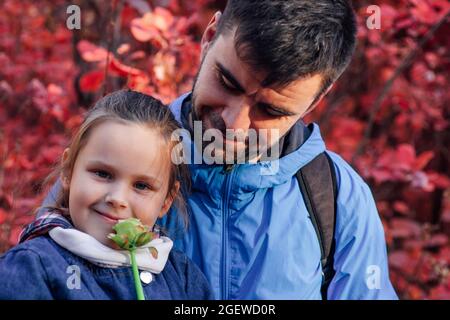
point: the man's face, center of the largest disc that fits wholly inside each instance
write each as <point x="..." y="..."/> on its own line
<point x="228" y="94"/>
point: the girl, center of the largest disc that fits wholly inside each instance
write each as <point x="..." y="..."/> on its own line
<point x="118" y="166"/>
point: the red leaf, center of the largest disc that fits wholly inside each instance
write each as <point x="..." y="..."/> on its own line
<point x="91" y="81"/>
<point x="406" y="155"/>
<point x="143" y="28"/>
<point x="124" y="48"/>
<point x="439" y="180"/>
<point x="404" y="228"/>
<point x="50" y="154"/>
<point x="441" y="292"/>
<point x="123" y="70"/>
<point x="137" y="55"/>
<point x="438" y="240"/>
<point x="25" y="163"/>
<point x="3" y="216"/>
<point x="90" y="52"/>
<point x="381" y="175"/>
<point x="424" y="12"/>
<point x="162" y="18"/>
<point x="423" y="159"/>
<point x="401" y="260"/>
<point x="152" y="25"/>
<point x="415" y="293"/>
<point x="401" y="207"/>
<point x="140" y="83"/>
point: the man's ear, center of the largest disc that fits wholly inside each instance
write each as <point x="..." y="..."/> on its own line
<point x="169" y="199"/>
<point x="209" y="33"/>
<point x="317" y="101"/>
<point x="65" y="176"/>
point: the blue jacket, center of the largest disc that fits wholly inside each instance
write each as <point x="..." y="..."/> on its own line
<point x="252" y="236"/>
<point x="40" y="269"/>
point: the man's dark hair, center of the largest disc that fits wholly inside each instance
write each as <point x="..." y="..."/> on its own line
<point x="290" y="39"/>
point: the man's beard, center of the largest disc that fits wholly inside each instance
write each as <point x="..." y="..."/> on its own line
<point x="245" y="154"/>
<point x="213" y="120"/>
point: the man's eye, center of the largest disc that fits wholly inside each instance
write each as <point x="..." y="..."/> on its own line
<point x="142" y="186"/>
<point x="102" y="174"/>
<point x="225" y="84"/>
<point x="270" y="112"/>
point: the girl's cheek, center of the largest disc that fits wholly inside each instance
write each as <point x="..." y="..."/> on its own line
<point x="96" y="191"/>
<point x="148" y="210"/>
<point x="143" y="210"/>
<point x="87" y="187"/>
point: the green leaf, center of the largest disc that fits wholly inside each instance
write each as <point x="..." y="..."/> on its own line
<point x="120" y="240"/>
<point x="144" y="238"/>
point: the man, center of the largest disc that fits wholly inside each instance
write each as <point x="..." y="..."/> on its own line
<point x="265" y="65"/>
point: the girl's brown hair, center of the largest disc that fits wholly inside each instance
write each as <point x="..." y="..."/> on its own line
<point x="127" y="106"/>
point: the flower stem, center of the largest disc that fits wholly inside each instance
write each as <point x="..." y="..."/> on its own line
<point x="137" y="280"/>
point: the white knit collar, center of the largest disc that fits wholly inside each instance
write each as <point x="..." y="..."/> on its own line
<point x="87" y="247"/>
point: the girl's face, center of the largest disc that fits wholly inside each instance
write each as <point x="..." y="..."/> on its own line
<point x="123" y="171"/>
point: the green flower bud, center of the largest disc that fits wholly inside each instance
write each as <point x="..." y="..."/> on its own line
<point x="130" y="234"/>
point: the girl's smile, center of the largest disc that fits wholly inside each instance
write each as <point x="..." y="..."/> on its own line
<point x="108" y="217"/>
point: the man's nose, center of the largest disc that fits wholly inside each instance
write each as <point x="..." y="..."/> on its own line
<point x="236" y="115"/>
<point x="117" y="197"/>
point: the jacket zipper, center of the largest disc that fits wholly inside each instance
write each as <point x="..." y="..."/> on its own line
<point x="228" y="184"/>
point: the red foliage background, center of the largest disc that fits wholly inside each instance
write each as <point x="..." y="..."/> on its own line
<point x="388" y="115"/>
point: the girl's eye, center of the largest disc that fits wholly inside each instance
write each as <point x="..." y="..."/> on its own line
<point x="102" y="174"/>
<point x="142" y="186"/>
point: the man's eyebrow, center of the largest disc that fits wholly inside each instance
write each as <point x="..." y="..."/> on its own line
<point x="227" y="74"/>
<point x="280" y="110"/>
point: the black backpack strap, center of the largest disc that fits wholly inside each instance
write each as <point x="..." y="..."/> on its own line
<point x="317" y="181"/>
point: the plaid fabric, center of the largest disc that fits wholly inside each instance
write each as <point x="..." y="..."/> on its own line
<point x="43" y="224"/>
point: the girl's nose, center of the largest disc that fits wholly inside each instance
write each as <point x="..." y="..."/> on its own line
<point x="116" y="198"/>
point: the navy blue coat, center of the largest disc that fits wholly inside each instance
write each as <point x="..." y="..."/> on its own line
<point x="40" y="269"/>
